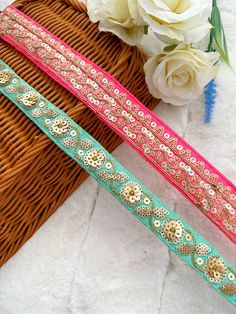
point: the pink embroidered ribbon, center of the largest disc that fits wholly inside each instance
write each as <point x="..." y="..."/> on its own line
<point x="166" y="151"/>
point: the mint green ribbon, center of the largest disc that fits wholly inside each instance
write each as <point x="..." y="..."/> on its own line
<point x="140" y="202"/>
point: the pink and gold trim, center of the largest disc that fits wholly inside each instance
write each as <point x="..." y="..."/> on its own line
<point x="166" y="151"/>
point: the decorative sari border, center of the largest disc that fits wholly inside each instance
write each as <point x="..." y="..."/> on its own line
<point x="167" y="152"/>
<point x="141" y="203"/>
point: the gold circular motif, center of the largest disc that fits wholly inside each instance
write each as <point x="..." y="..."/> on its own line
<point x="157" y="223"/>
<point x="147" y="200"/>
<point x="108" y="165"/>
<point x="231" y="276"/>
<point x="131" y="193"/>
<point x="5" y="77"/>
<point x="188" y="237"/>
<point x="200" y="261"/>
<point x="173" y="230"/>
<point x="215" y="268"/>
<point x="29" y="99"/>
<point x="94" y="159"/>
<point x="80" y="153"/>
<point x="60" y="127"/>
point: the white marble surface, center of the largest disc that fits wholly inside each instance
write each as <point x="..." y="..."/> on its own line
<point x="93" y="257"/>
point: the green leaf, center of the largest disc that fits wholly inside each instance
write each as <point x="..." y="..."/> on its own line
<point x="170" y="48"/>
<point x="217" y="36"/>
<point x="145" y="30"/>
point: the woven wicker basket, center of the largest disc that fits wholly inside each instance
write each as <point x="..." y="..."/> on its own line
<point x="35" y="176"/>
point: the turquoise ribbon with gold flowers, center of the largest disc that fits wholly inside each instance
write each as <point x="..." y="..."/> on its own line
<point x="140" y="202"/>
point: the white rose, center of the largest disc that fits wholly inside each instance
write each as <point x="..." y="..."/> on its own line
<point x="175" y="21"/>
<point x="179" y="76"/>
<point x="120" y="17"/>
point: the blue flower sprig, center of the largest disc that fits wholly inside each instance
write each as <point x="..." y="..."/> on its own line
<point x="210" y="93"/>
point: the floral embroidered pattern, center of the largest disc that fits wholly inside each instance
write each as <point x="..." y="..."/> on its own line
<point x="131" y="193"/>
<point x="28" y="100"/>
<point x="173" y="230"/>
<point x="215" y="268"/>
<point x="202" y="249"/>
<point x="5" y="78"/>
<point x="60" y="127"/>
<point x="94" y="159"/>
<point x="229" y="289"/>
<point x="107" y="176"/>
<point x="164" y="149"/>
<point x="90" y="155"/>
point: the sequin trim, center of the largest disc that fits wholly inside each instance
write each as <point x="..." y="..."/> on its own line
<point x="179" y="163"/>
<point x="140" y="202"/>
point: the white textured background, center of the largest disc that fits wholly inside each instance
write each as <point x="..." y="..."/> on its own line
<point x="93" y="257"/>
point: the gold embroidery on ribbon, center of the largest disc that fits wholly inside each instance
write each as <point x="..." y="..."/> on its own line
<point x="213" y="267"/>
<point x="176" y="162"/>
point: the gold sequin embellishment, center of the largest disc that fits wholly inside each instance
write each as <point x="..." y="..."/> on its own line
<point x="28" y="100"/>
<point x="215" y="269"/>
<point x="94" y="159"/>
<point x="5" y="77"/>
<point x="173" y="230"/>
<point x="131" y="193"/>
<point x="60" y="127"/>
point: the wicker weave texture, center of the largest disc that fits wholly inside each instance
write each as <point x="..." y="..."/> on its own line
<point x="35" y="176"/>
